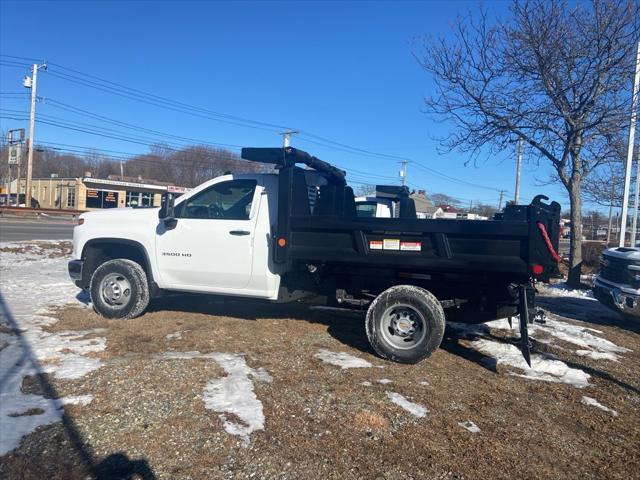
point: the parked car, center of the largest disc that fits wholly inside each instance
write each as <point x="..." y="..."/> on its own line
<point x="9" y="200"/>
<point x="618" y="282"/>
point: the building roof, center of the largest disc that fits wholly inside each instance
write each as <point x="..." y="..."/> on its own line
<point x="423" y="204"/>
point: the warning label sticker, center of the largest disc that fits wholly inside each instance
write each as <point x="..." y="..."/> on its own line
<point x="391" y="244"/>
<point x="375" y="245"/>
<point x="411" y="246"/>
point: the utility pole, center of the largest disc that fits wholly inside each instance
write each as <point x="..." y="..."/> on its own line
<point x="518" y="167"/>
<point x="403" y="172"/>
<point x="500" y="201"/>
<point x="121" y="171"/>
<point x="632" y="131"/>
<point x="31" y="83"/>
<point x="286" y="137"/>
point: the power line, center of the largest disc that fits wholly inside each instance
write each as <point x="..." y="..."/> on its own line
<point x="108" y="86"/>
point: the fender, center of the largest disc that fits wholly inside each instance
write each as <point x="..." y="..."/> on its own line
<point x="146" y="263"/>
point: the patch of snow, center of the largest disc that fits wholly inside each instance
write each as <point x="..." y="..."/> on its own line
<point x="366" y="383"/>
<point x="594" y="403"/>
<point x="578" y="335"/>
<point x="82" y="400"/>
<point x="543" y="367"/>
<point x="469" y="425"/>
<point x="232" y="394"/>
<point x="32" y="284"/>
<point x="342" y="359"/>
<point x="174" y="336"/>
<point x="385" y="381"/>
<point x="413" y="408"/>
<point x="424" y="382"/>
<point x="597" y="355"/>
<point x="560" y="290"/>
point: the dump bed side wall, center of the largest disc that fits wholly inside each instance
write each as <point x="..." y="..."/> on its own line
<point x="430" y="245"/>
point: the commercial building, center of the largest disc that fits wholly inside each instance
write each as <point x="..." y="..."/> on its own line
<point x="88" y="193"/>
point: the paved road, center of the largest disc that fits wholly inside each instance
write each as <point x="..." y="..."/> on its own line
<point x="12" y="229"/>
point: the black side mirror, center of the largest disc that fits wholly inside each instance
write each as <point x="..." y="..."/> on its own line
<point x="166" y="211"/>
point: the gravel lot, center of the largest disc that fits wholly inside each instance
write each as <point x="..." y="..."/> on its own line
<point x="461" y="414"/>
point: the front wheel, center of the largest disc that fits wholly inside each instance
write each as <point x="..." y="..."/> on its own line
<point x="405" y="324"/>
<point x="119" y="289"/>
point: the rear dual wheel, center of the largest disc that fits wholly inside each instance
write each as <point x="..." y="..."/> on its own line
<point x="405" y="324"/>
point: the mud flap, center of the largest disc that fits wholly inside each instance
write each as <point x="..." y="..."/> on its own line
<point x="525" y="346"/>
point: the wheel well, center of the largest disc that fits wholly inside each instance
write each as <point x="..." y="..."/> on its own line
<point x="95" y="253"/>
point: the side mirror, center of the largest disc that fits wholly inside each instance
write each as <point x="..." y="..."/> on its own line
<point x="166" y="206"/>
<point x="166" y="211"/>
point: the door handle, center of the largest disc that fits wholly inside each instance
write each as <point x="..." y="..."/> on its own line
<point x="239" y="233"/>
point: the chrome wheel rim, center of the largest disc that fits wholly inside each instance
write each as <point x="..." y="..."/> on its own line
<point x="115" y="290"/>
<point x="403" y="326"/>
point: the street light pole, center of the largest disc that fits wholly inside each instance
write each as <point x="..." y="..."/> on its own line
<point x="632" y="129"/>
<point x="634" y="224"/>
<point x="518" y="167"/>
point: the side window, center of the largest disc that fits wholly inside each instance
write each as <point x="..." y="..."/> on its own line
<point x="227" y="201"/>
<point x="366" y="209"/>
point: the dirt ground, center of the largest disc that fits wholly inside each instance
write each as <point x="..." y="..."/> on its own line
<point x="148" y="419"/>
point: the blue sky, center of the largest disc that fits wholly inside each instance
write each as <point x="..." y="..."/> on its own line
<point x="343" y="71"/>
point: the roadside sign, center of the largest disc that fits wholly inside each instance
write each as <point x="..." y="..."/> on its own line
<point x="15" y="154"/>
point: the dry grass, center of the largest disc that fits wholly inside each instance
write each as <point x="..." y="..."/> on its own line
<point x="321" y="422"/>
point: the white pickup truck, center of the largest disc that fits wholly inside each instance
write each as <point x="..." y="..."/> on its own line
<point x="295" y="235"/>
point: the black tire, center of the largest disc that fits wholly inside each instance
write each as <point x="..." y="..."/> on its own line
<point x="119" y="289"/>
<point x="397" y="312"/>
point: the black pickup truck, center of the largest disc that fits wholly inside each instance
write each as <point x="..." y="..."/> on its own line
<point x="296" y="236"/>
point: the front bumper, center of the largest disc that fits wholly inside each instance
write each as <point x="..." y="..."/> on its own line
<point x="75" y="271"/>
<point x="621" y="299"/>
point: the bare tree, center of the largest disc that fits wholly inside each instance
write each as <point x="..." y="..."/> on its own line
<point x="554" y="74"/>
<point x="366" y="189"/>
<point x="444" y="199"/>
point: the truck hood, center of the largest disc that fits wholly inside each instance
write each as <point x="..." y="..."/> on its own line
<point x="126" y="215"/>
<point x="630" y="254"/>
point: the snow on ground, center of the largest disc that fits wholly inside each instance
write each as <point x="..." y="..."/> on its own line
<point x="591" y="344"/>
<point x="232" y="394"/>
<point x="174" y="336"/>
<point x="413" y="408"/>
<point x="543" y="367"/>
<point x="560" y="289"/>
<point x="33" y="282"/>
<point x="469" y="425"/>
<point x="594" y="403"/>
<point x="385" y="381"/>
<point x="341" y="359"/>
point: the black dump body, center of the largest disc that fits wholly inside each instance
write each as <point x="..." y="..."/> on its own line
<point x="318" y="224"/>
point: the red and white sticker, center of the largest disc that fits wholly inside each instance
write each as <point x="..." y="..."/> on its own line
<point x="375" y="245"/>
<point x="411" y="246"/>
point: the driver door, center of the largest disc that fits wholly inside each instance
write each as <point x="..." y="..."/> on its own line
<point x="211" y="246"/>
